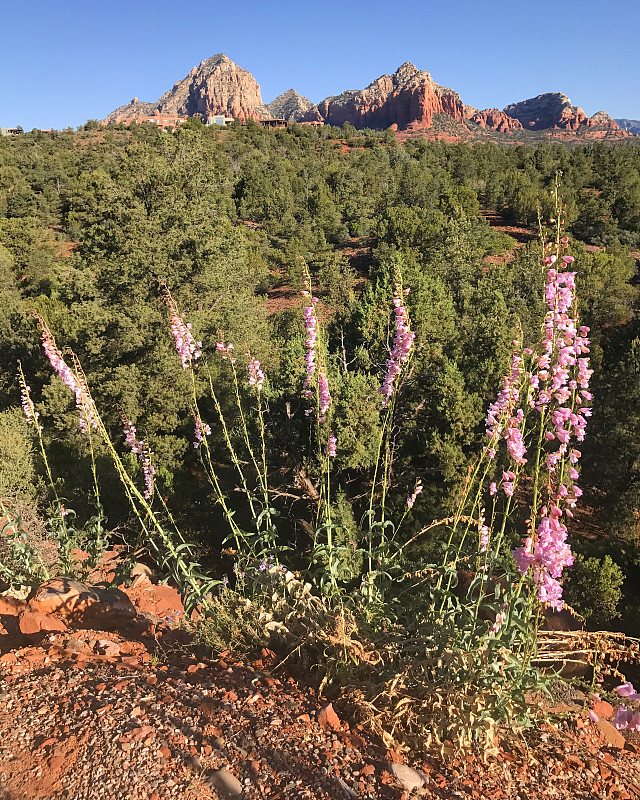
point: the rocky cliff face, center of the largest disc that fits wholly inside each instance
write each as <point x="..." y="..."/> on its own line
<point x="493" y="119"/>
<point x="290" y="106"/>
<point x="215" y="86"/>
<point x="547" y="111"/>
<point x="554" y="110"/>
<point x="407" y="99"/>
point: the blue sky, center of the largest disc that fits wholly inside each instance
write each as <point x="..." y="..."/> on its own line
<point x="67" y="61"/>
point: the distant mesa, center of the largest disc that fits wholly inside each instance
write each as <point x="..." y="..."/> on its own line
<point x="406" y="101"/>
<point x="630" y="125"/>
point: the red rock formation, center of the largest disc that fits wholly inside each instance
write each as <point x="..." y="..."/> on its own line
<point x="406" y="101"/>
<point x="215" y="86"/>
<point x="409" y="98"/>
<point x="554" y="110"/>
<point x="550" y="110"/>
<point x="602" y="119"/>
<point x="495" y="120"/>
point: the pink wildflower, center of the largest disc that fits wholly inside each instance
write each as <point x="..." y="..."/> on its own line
<point x="311" y="325"/>
<point x="331" y="452"/>
<point x="402" y="345"/>
<point x="139" y="449"/>
<point x="412" y="498"/>
<point x="323" y="392"/>
<point x="484" y="538"/>
<point x="188" y="349"/>
<point x="202" y="430"/>
<point x="256" y="375"/>
<point x="623" y="717"/>
<point x="30" y="413"/>
<point x="74" y="379"/>
<point x="226" y="350"/>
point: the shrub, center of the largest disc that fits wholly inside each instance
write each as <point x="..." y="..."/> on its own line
<point x="17" y="470"/>
<point x="594" y="589"/>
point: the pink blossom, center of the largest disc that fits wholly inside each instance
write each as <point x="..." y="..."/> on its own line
<point x="331" y="451"/>
<point x="202" y="430"/>
<point x="412" y="498"/>
<point x="139" y="448"/>
<point x="30" y="413"/>
<point x="484" y="538"/>
<point x="227" y="351"/>
<point x="188" y="349"/>
<point x="256" y="375"/>
<point x="547" y="555"/>
<point x="323" y="393"/>
<point x="74" y="379"/>
<point x="402" y="345"/>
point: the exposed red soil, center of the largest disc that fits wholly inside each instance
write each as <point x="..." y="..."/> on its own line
<point x="90" y="714"/>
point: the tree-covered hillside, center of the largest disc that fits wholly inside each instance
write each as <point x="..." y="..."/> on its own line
<point x="96" y="225"/>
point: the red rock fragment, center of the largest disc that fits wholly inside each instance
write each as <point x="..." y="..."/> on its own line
<point x="33" y="622"/>
<point x="11" y="606"/>
<point x="327" y="716"/>
<point x="605" y="772"/>
<point x="106" y="647"/>
<point x="613" y="737"/>
<point x="603" y="709"/>
<point x="63" y="596"/>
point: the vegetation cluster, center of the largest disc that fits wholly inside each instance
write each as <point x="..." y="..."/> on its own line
<point x="345" y="318"/>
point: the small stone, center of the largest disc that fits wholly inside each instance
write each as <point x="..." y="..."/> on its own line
<point x="603" y="709"/>
<point x="223" y="781"/>
<point x="10" y="606"/>
<point x="327" y="716"/>
<point x="614" y="737"/>
<point x="106" y="647"/>
<point x="34" y="622"/>
<point x="76" y="645"/>
<point x="407" y="776"/>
